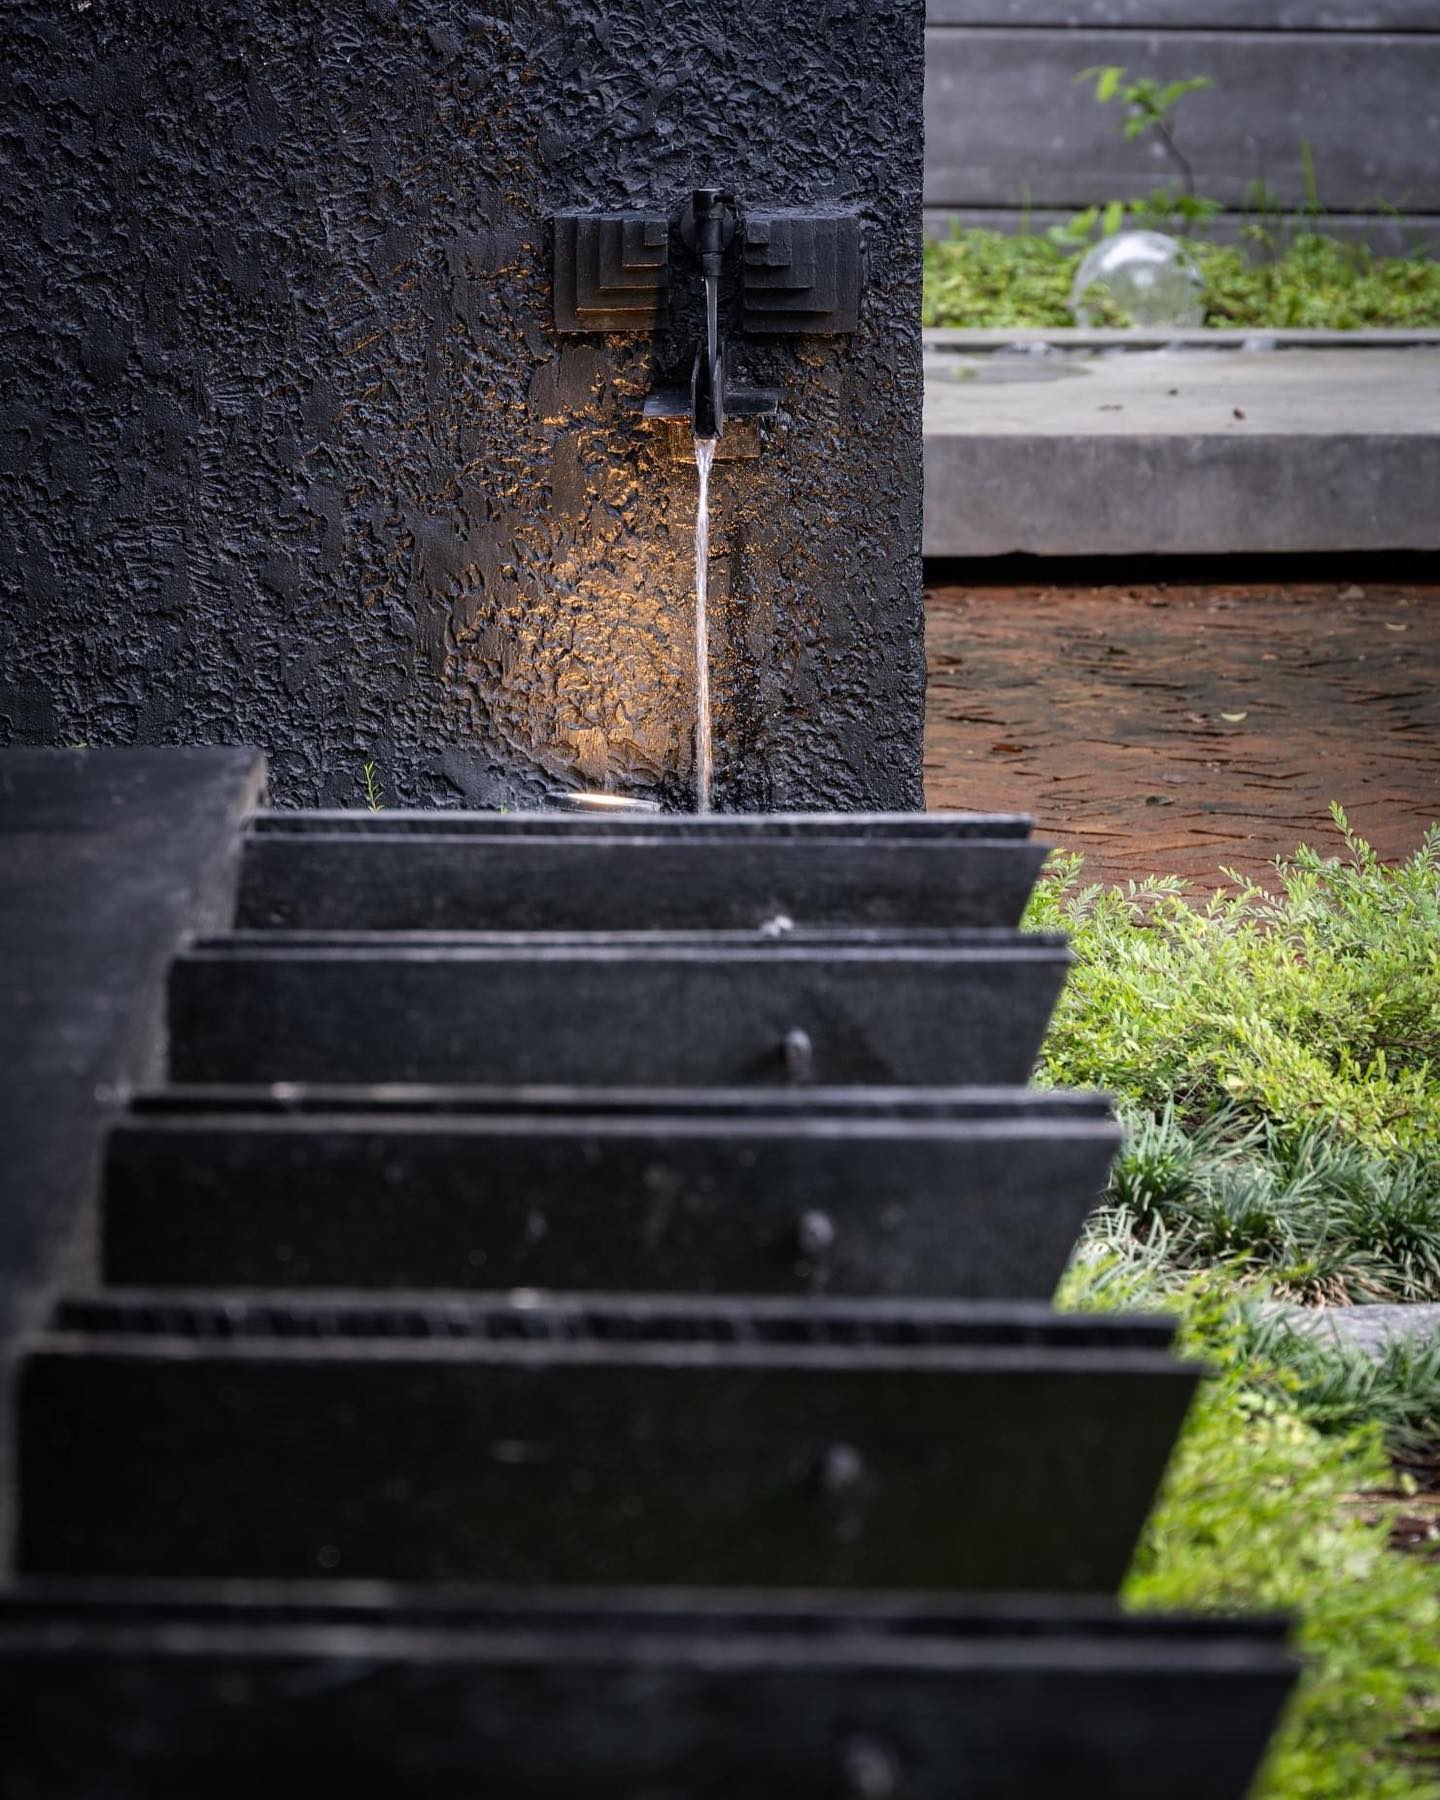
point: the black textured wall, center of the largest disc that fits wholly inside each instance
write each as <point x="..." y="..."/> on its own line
<point x="296" y="459"/>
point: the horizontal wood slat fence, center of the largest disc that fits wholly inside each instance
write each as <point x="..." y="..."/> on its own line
<point x="1012" y="136"/>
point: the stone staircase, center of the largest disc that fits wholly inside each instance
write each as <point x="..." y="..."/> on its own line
<point x="576" y="1323"/>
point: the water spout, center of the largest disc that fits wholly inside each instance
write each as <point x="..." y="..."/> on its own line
<point x="708" y="226"/>
<point x="704" y="746"/>
<point x="708" y="409"/>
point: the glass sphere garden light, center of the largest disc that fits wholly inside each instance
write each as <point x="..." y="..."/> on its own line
<point x="1138" y="278"/>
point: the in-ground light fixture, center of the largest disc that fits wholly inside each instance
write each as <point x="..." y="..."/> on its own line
<point x="582" y="800"/>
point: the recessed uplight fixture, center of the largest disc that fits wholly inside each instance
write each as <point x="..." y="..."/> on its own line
<point x="578" y="800"/>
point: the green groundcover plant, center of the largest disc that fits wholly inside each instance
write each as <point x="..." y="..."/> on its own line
<point x="1260" y="1512"/>
<point x="1274" y="1053"/>
<point x="1314" y="1004"/>
<point x="989" y="279"/>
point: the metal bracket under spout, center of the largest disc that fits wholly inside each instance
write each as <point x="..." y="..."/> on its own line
<point x="708" y="226"/>
<point x="744" y="407"/>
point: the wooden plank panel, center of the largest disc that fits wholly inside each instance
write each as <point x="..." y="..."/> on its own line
<point x="1004" y="115"/>
<point x="1194" y="15"/>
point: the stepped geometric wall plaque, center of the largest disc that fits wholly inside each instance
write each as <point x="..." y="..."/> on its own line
<point x="611" y="271"/>
<point x="802" y="272"/>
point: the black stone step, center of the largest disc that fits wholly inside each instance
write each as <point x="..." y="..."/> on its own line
<point x="809" y="1443"/>
<point x="985" y="1201"/>
<point x="412" y="1695"/>
<point x="486" y="874"/>
<point x="665" y="1008"/>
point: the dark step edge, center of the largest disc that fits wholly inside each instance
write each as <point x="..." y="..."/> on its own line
<point x="416" y="1099"/>
<point x="620" y="1322"/>
<point x="825" y="827"/>
<point x="986" y="833"/>
<point x="463" y="1606"/>
<point x="840" y="1638"/>
<point x="1178" y="1655"/>
<point x="344" y="880"/>
<point x="979" y="944"/>
<point x="837" y="1360"/>
<point x="655" y="1129"/>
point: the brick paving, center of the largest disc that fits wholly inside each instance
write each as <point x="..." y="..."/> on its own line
<point x="1183" y="729"/>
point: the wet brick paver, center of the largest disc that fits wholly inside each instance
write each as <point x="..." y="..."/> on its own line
<point x="1181" y="729"/>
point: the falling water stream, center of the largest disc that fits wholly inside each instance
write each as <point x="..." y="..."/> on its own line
<point x="704" y="750"/>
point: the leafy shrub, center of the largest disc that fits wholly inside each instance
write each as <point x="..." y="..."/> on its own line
<point x="1317" y="1005"/>
<point x="986" y="278"/>
<point x="1337" y="1386"/>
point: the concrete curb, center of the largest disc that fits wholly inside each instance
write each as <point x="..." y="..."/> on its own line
<point x="1101" y="443"/>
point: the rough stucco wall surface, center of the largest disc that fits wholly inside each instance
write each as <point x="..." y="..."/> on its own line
<point x="295" y="457"/>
